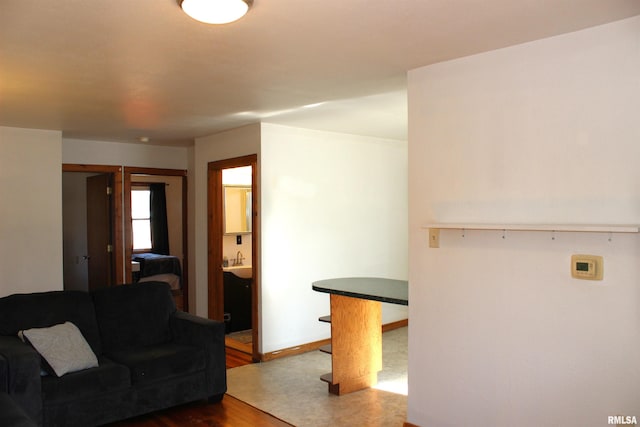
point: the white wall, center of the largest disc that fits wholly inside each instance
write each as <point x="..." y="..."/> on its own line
<point x="333" y="205"/>
<point x="545" y="132"/>
<point x="76" y="151"/>
<point x="225" y="145"/>
<point x="30" y="210"/>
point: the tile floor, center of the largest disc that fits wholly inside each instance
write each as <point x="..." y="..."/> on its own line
<point x="290" y="389"/>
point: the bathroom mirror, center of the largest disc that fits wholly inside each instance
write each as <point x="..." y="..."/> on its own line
<point x="237" y="209"/>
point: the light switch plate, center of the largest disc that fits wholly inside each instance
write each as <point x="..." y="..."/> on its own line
<point x="587" y="267"/>
<point x="434" y="237"/>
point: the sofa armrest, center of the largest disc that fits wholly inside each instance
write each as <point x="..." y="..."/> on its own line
<point x="4" y="374"/>
<point x="209" y="335"/>
<point x="23" y="379"/>
<point x="13" y="415"/>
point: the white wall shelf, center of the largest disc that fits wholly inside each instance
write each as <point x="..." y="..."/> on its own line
<point x="538" y="227"/>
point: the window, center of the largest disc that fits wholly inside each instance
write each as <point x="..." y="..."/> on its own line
<point x="141" y="218"/>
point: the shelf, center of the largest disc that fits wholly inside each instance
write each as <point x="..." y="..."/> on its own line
<point x="328" y="378"/>
<point x="333" y="388"/>
<point x="539" y="227"/>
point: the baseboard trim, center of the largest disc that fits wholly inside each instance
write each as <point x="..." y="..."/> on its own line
<point x="291" y="351"/>
<point x="395" y="325"/>
<point x="303" y="348"/>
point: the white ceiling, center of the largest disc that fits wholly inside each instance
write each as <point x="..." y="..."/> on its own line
<point x="118" y="70"/>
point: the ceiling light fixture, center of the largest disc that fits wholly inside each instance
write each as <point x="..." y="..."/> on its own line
<point x="215" y="11"/>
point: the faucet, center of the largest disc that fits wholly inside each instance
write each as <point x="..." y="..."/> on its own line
<point x="239" y="258"/>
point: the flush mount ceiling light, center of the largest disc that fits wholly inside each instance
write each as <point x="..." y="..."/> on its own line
<point x="215" y="11"/>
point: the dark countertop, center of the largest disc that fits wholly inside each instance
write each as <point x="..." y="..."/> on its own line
<point x="371" y="288"/>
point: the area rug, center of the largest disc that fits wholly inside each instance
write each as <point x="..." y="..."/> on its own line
<point x="290" y="389"/>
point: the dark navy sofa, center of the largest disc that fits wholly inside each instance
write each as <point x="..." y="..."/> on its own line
<point x="150" y="356"/>
<point x="12" y="415"/>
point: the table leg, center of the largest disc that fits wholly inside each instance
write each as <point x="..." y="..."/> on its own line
<point x="356" y="343"/>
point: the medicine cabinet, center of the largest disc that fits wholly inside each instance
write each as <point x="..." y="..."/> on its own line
<point x="237" y="209"/>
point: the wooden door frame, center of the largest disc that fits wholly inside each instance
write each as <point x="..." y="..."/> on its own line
<point x="215" y="233"/>
<point x="128" y="232"/>
<point x="116" y="172"/>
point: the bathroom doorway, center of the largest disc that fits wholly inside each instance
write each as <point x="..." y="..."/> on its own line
<point x="233" y="233"/>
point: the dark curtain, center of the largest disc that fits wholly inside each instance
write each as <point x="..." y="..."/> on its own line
<point x="159" y="227"/>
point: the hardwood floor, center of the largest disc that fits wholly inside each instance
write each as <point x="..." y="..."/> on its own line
<point x="231" y="412"/>
<point x="238" y="354"/>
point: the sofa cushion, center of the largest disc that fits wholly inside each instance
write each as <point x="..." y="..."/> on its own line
<point x="44" y="309"/>
<point x="133" y="315"/>
<point x="106" y="377"/>
<point x="160" y="362"/>
<point x="62" y="347"/>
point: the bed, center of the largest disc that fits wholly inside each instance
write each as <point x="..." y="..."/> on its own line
<point x="159" y="268"/>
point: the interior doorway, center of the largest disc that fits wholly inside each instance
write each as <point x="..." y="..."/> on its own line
<point x="92" y="245"/>
<point x="233" y="273"/>
<point x="166" y="261"/>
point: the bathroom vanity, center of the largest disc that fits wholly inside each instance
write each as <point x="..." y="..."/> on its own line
<point x="237" y="298"/>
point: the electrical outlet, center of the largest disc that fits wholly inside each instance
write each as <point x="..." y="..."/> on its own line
<point x="434" y="237"/>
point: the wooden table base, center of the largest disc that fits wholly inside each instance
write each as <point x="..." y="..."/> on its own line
<point x="356" y="344"/>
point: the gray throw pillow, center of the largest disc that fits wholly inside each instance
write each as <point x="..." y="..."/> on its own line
<point x="62" y="346"/>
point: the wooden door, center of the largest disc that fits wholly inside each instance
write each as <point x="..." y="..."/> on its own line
<point x="100" y="231"/>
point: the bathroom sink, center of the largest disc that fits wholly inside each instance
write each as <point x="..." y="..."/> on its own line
<point x="244" y="271"/>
